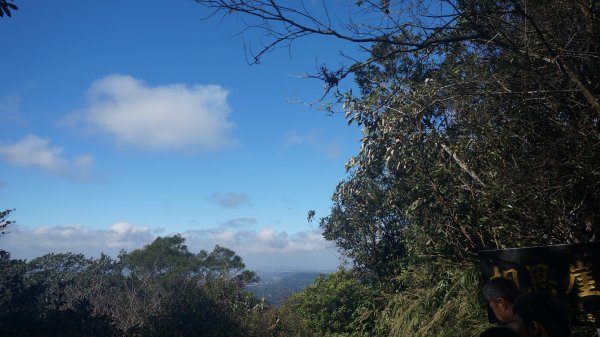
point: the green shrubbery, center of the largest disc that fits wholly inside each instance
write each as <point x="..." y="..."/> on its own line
<point x="439" y="299"/>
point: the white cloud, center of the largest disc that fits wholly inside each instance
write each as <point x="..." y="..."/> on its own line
<point x="29" y="243"/>
<point x="269" y="248"/>
<point x="263" y="248"/>
<point x="265" y="240"/>
<point x="36" y="152"/>
<point x="230" y="200"/>
<point x="167" y="117"/>
<point x="238" y="223"/>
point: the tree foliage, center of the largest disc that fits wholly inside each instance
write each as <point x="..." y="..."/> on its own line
<point x="6" y="8"/>
<point x="161" y="289"/>
<point x="333" y="304"/>
<point x="481" y="143"/>
<point x="169" y="258"/>
<point x="40" y="307"/>
<point x="4" y="223"/>
<point x="480" y="122"/>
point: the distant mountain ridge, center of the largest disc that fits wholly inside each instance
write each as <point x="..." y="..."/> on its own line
<point x="277" y="285"/>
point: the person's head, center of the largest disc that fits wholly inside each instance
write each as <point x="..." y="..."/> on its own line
<point x="540" y="315"/>
<point x="499" y="331"/>
<point x="500" y="293"/>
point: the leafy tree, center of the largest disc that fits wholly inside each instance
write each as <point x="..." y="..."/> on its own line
<point x="481" y="122"/>
<point x="176" y="292"/>
<point x="78" y="285"/>
<point x="480" y="144"/>
<point x="165" y="259"/>
<point x="31" y="305"/>
<point x="222" y="263"/>
<point x="169" y="258"/>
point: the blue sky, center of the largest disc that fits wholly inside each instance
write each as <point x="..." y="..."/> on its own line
<point x="124" y="120"/>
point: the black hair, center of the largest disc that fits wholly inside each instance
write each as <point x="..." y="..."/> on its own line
<point x="499" y="331"/>
<point x="500" y="288"/>
<point x="544" y="309"/>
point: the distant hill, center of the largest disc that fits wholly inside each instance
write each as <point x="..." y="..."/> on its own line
<point x="276" y="286"/>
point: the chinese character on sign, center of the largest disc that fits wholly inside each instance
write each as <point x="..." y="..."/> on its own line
<point x="538" y="275"/>
<point x="581" y="274"/>
<point x="511" y="274"/>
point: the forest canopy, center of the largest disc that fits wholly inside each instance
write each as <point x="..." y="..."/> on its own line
<point x="162" y="289"/>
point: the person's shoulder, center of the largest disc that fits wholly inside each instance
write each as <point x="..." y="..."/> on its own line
<point x="499" y="331"/>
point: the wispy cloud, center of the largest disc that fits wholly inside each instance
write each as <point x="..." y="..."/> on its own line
<point x="313" y="138"/>
<point x="230" y="200"/>
<point x="333" y="151"/>
<point x="33" y="151"/>
<point x="165" y="117"/>
<point x="240" y="223"/>
<point x="295" y="137"/>
<point x="10" y="105"/>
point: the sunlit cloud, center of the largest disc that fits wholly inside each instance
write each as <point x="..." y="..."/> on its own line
<point x="33" y="151"/>
<point x="29" y="243"/>
<point x="165" y="117"/>
<point x="230" y="200"/>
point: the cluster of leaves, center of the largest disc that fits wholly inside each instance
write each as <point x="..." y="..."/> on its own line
<point x="4" y="222"/>
<point x="6" y="7"/>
